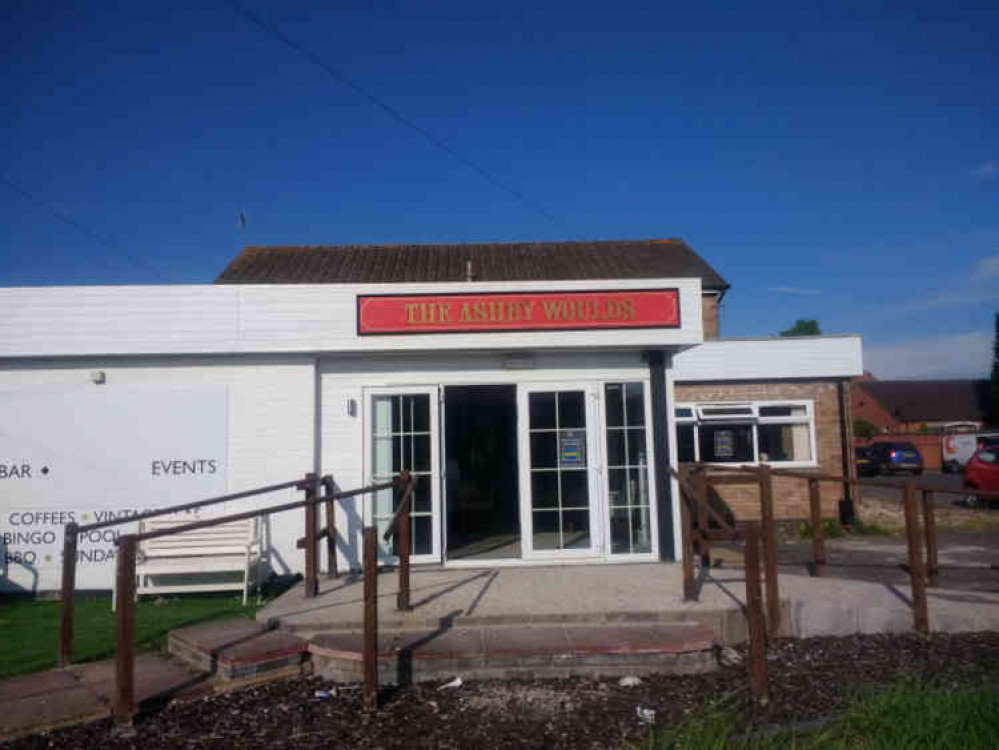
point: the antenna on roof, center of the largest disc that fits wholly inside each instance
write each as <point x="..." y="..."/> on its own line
<point x="242" y="229"/>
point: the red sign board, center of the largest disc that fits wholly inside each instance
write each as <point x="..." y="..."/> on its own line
<point x="517" y="311"/>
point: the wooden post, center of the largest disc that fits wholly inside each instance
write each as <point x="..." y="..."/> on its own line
<point x="370" y="653"/>
<point x="311" y="543"/>
<point x="769" y="550"/>
<point x="68" y="595"/>
<point x="917" y="573"/>
<point x="402" y="600"/>
<point x="124" y="693"/>
<point x="754" y="613"/>
<point x="818" y="534"/>
<point x="331" y="565"/>
<point x="930" y="522"/>
<point x="701" y="487"/>
<point x="687" y="549"/>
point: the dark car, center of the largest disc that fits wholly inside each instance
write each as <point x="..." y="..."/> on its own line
<point x="863" y="461"/>
<point x="893" y="457"/>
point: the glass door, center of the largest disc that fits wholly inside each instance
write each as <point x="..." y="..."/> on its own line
<point x="403" y="426"/>
<point x="558" y="491"/>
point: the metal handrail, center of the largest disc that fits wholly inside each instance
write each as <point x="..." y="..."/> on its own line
<point x="188" y="506"/>
<point x="217" y="520"/>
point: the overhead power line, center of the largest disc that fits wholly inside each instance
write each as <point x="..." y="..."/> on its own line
<point x="392" y="112"/>
<point x="80" y="227"/>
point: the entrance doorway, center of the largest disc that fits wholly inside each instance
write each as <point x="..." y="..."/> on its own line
<point x="481" y="473"/>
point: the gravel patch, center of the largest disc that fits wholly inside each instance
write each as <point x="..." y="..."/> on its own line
<point x="808" y="679"/>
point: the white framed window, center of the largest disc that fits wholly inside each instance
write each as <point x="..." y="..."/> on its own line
<point x="769" y="432"/>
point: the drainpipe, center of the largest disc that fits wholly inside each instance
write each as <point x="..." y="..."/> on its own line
<point x="660" y="453"/>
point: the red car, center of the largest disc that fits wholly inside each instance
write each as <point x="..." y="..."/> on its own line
<point x="982" y="473"/>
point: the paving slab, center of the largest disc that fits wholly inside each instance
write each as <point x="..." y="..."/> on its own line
<point x="609" y="595"/>
<point x="82" y="692"/>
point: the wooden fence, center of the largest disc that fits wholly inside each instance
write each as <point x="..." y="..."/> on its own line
<point x="706" y="518"/>
<point x="125" y="707"/>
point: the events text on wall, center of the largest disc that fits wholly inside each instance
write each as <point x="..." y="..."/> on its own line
<point x="75" y="455"/>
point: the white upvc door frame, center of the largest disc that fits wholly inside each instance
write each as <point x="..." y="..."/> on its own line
<point x="594" y="469"/>
<point x="433" y="394"/>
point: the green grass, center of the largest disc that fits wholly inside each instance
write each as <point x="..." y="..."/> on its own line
<point x="859" y="528"/>
<point x="30" y="629"/>
<point x="909" y="716"/>
<point x="831" y="529"/>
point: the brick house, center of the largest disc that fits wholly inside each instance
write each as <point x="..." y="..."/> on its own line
<point x="900" y="406"/>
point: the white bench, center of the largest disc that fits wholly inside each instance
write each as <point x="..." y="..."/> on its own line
<point x="232" y="547"/>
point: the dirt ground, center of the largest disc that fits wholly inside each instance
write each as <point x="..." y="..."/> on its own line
<point x="808" y="679"/>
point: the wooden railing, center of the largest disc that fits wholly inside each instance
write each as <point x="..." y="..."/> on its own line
<point x="124" y="704"/>
<point x="705" y="517"/>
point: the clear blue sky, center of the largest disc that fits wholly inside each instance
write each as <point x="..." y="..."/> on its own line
<point x="838" y="163"/>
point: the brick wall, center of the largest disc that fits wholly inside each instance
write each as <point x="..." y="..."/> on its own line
<point x="709" y="313"/>
<point x="790" y="495"/>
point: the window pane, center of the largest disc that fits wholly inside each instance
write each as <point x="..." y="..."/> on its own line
<point x="784" y="410"/>
<point x="614" y="400"/>
<point x="685" y="442"/>
<point x="635" y="404"/>
<point x="546" y="530"/>
<point x="422" y="535"/>
<point x="542" y="409"/>
<point x="382" y="460"/>
<point x="544" y="489"/>
<point x="617" y="480"/>
<point x="420" y="410"/>
<point x="575" y="529"/>
<point x="575" y="489"/>
<point x="620" y="532"/>
<point x="641" y="530"/>
<point x="636" y="447"/>
<point x="726" y="411"/>
<point x="638" y="486"/>
<point x="615" y="447"/>
<point x="684" y="413"/>
<point x="384" y="502"/>
<point x="785" y="442"/>
<point x="543" y="452"/>
<point x="421" y="453"/>
<point x="421" y="495"/>
<point x="571" y="409"/>
<point x="726" y="442"/>
<point x="381" y="408"/>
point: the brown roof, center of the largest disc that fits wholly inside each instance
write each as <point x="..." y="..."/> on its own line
<point x="514" y="261"/>
<point x="931" y="400"/>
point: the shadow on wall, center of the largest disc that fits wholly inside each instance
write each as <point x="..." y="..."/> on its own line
<point x="9" y="561"/>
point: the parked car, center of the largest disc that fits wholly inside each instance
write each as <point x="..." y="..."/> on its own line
<point x="981" y="473"/>
<point x="863" y="461"/>
<point x="893" y="457"/>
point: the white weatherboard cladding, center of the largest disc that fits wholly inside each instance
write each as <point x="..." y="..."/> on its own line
<point x="343" y="380"/>
<point x="266" y="434"/>
<point x="79" y="321"/>
<point x="770" y="359"/>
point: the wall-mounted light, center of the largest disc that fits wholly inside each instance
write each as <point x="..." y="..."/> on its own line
<point x="98" y="377"/>
<point x="350" y="407"/>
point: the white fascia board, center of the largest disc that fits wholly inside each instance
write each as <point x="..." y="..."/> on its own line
<point x="770" y="359"/>
<point x="263" y="318"/>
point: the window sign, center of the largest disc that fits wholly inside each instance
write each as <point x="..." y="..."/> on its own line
<point x="572" y="448"/>
<point x="724" y="444"/>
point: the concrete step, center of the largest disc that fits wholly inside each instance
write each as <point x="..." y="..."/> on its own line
<point x="238" y="649"/>
<point x="527" y="652"/>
